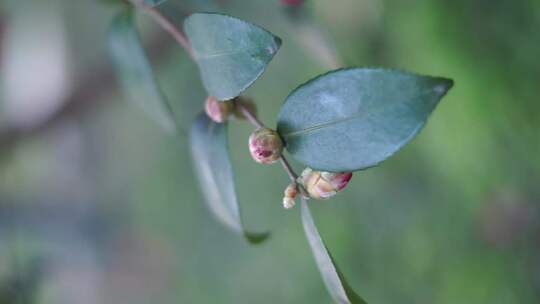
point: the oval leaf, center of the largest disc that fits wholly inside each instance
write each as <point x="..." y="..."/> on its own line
<point x="352" y="119"/>
<point x="209" y="149"/>
<point x="335" y="282"/>
<point x="135" y="72"/>
<point x="231" y="53"/>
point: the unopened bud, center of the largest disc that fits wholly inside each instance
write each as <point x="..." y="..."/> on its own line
<point x="217" y="110"/>
<point x="265" y="145"/>
<point x="289" y="196"/>
<point x="288" y="202"/>
<point x="244" y="103"/>
<point x="323" y="185"/>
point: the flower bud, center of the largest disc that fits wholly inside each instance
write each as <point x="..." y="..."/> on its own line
<point x="288" y="202"/>
<point x="265" y="145"/>
<point x="323" y="185"/>
<point x="289" y="196"/>
<point x="217" y="110"/>
<point x="245" y="102"/>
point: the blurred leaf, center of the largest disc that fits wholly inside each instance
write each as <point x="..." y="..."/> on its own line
<point x="230" y="52"/>
<point x="135" y="72"/>
<point x="351" y="119"/>
<point x="335" y="282"/>
<point x="213" y="168"/>
<point x="154" y="2"/>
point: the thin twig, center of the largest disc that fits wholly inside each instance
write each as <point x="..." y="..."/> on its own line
<point x="293" y="176"/>
<point x="284" y="162"/>
<point x="167" y="26"/>
<point x="252" y="118"/>
<point x="184" y="42"/>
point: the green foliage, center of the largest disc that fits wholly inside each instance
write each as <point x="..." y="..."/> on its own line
<point x="231" y="53"/>
<point x="345" y="120"/>
<point x="335" y="282"/>
<point x="352" y="119"/>
<point x="135" y="72"/>
<point x="213" y="169"/>
<point x="453" y="219"/>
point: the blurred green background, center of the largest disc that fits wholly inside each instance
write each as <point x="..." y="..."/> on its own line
<point x="98" y="205"/>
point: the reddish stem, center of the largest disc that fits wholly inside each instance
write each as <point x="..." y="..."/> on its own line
<point x="184" y="42"/>
<point x="168" y="26"/>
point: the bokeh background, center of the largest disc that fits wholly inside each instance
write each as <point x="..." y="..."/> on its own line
<point x="98" y="205"/>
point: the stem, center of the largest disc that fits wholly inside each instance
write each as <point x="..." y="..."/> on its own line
<point x="284" y="162"/>
<point x="184" y="42"/>
<point x="293" y="176"/>
<point x="167" y="26"/>
<point x="249" y="116"/>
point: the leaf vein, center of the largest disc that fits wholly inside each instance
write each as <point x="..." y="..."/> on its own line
<point x="225" y="53"/>
<point x="345" y="119"/>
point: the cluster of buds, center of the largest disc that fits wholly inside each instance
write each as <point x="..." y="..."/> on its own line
<point x="289" y="196"/>
<point x="220" y="111"/>
<point x="265" y="145"/>
<point x="323" y="185"/>
<point x="317" y="184"/>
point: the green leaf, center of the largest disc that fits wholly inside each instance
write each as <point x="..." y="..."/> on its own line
<point x="231" y="53"/>
<point x="213" y="168"/>
<point x="153" y="2"/>
<point x="134" y="70"/>
<point x="335" y="282"/>
<point x="355" y="118"/>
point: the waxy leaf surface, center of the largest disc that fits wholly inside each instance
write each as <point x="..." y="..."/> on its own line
<point x="335" y="282"/>
<point x="209" y="150"/>
<point x="231" y="53"/>
<point x="134" y="70"/>
<point x="355" y="118"/>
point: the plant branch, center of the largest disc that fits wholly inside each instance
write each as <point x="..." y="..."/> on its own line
<point x="252" y="118"/>
<point x="293" y="176"/>
<point x="285" y="163"/>
<point x="184" y="42"/>
<point x="167" y="26"/>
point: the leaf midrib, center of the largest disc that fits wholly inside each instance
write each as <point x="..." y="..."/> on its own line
<point x="224" y="53"/>
<point x="345" y="119"/>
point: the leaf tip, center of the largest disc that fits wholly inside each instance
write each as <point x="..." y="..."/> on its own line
<point x="278" y="41"/>
<point x="443" y="86"/>
<point x="257" y="238"/>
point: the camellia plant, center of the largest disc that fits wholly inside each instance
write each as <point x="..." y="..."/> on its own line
<point x="337" y="123"/>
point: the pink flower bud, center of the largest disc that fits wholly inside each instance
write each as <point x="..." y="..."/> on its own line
<point x="217" y="110"/>
<point x="265" y="145"/>
<point x="323" y="185"/>
<point x="289" y="196"/>
<point x="288" y="202"/>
